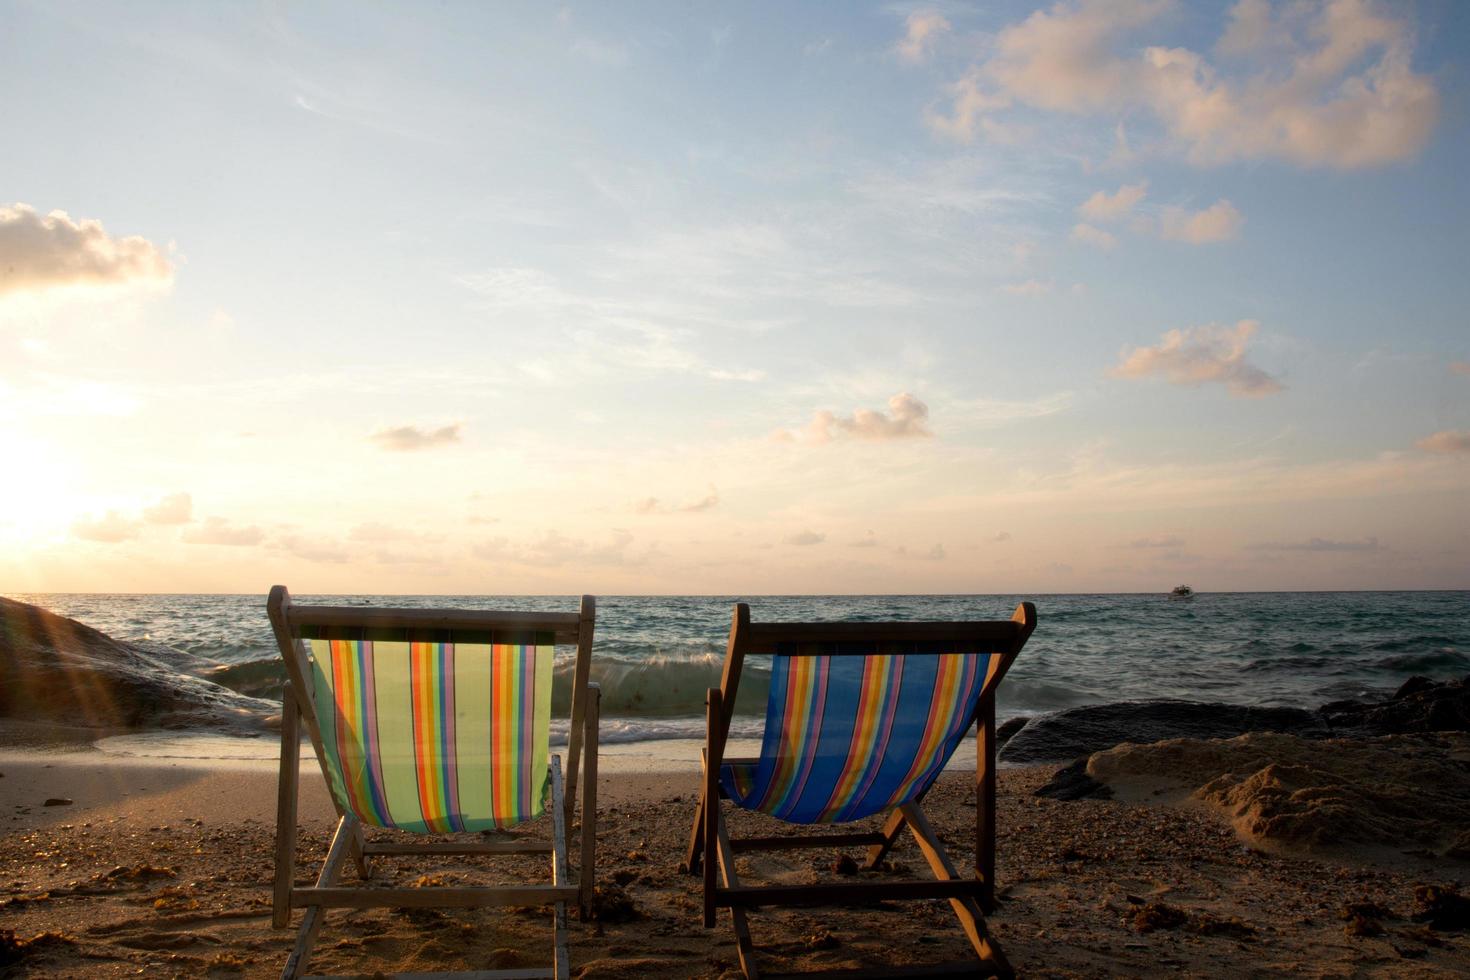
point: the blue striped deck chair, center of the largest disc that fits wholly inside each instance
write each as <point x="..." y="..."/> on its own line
<point x="433" y="722"/>
<point x="860" y="721"/>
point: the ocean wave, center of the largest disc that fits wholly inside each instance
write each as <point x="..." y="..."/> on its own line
<point x="668" y="685"/>
<point x="1430" y="661"/>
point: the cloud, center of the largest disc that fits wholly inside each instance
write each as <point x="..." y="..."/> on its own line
<point x="1030" y="287"/>
<point x="871" y="541"/>
<point x="1088" y="235"/>
<point x="921" y="30"/>
<point x="1319" y="544"/>
<point x="1001" y="537"/>
<point x="652" y="505"/>
<point x="935" y="553"/>
<point x="1219" y="222"/>
<point x="805" y="539"/>
<point x="410" y="438"/>
<point x="1198" y="355"/>
<point x="1328" y="84"/>
<point x="176" y="508"/>
<point x="970" y="113"/>
<point x="311" y="549"/>
<point x="44" y="252"/>
<point x="1110" y="207"/>
<point x="1448" y="441"/>
<point x="1164" y="542"/>
<point x="905" y="419"/>
<point x="111" y="528"/>
<point x="554" y="549"/>
<point x="217" y="530"/>
<point x="377" y="531"/>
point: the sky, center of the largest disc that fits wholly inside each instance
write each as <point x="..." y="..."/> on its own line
<point x="734" y="299"/>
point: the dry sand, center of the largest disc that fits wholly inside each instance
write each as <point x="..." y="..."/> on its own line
<point x="162" y="870"/>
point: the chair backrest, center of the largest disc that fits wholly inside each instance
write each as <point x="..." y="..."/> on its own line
<point x="430" y="720"/>
<point x="863" y="717"/>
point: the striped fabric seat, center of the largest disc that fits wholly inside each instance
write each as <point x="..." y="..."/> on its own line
<point x="433" y="737"/>
<point x="850" y="736"/>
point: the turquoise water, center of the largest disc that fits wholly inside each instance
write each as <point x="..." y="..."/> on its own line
<point x="655" y="656"/>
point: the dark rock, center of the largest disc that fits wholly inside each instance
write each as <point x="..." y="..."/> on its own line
<point x="57" y="801"/>
<point x="1095" y="727"/>
<point x="1419" y="705"/>
<point x="1442" y="907"/>
<point x="1009" y="727"/>
<point x="56" y="670"/>
<point x="1073" y="783"/>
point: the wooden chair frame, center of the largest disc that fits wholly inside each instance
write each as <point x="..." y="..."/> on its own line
<point x="350" y="838"/>
<point x="712" y="851"/>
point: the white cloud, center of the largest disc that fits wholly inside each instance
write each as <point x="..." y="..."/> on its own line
<point x="1219" y="222"/>
<point x="906" y="418"/>
<point x="1199" y="355"/>
<point x="217" y="530"/>
<point x="42" y="252"/>
<point x="409" y="438"/>
<point x="176" y="508"/>
<point x="1110" y="207"/>
<point x="1337" y="90"/>
<point x="1088" y="235"/>
<point x="921" y="30"/>
<point x="111" y="528"/>
<point x="1448" y="441"/>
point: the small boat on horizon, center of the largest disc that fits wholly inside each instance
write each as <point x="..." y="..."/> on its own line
<point x="1181" y="592"/>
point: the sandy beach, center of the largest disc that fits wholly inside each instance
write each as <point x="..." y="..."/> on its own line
<point x="163" y="869"/>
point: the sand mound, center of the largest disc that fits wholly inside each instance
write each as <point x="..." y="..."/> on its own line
<point x="1396" y="791"/>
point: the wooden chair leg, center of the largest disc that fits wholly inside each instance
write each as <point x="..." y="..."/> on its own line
<point x="588" y="862"/>
<point x="696" y="837"/>
<point x="985" y="791"/>
<point x="311" y="923"/>
<point x="558" y="870"/>
<point x="356" y="846"/>
<point x="744" y="945"/>
<point x="711" y="808"/>
<point x="892" y="827"/>
<point x="286" y="809"/>
<point x="968" y="911"/>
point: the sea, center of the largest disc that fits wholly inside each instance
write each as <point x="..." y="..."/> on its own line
<point x="655" y="656"/>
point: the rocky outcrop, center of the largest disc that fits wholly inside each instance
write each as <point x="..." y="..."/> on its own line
<point x="1094" y="727"/>
<point x="1419" y="705"/>
<point x="54" y="669"/>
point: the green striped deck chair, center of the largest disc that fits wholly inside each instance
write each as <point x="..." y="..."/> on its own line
<point x="433" y="722"/>
<point x="860" y="721"/>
